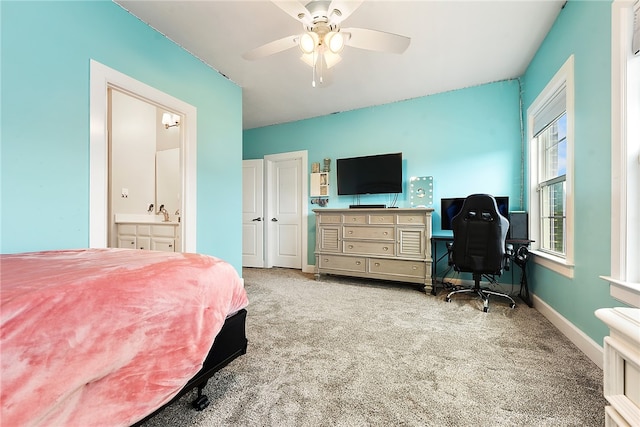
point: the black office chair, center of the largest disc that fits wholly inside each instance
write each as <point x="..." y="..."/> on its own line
<point x="479" y="245"/>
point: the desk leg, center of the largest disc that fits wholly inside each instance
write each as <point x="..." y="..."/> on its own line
<point x="434" y="263"/>
<point x="524" y="287"/>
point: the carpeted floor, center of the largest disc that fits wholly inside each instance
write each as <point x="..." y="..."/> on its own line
<point x="348" y="352"/>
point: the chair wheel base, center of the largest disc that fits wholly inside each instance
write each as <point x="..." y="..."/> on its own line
<point x="512" y="306"/>
<point x="447" y="299"/>
<point x="485" y="309"/>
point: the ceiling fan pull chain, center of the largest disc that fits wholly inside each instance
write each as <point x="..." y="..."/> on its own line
<point x="321" y="60"/>
<point x="313" y="72"/>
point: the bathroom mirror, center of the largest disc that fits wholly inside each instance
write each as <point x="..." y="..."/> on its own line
<point x="168" y="183"/>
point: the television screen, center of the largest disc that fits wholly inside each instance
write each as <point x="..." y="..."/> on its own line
<point x="377" y="174"/>
<point x="450" y="207"/>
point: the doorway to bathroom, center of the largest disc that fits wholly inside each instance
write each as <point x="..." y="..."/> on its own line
<point x="105" y="82"/>
<point x="145" y="180"/>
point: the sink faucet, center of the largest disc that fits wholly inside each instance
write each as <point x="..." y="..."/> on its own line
<point x="164" y="212"/>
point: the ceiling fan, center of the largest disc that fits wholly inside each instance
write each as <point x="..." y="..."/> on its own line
<point x="323" y="39"/>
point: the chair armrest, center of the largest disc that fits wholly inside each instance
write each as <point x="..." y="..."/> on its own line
<point x="449" y="253"/>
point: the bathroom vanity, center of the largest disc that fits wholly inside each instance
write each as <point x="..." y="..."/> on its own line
<point x="148" y="232"/>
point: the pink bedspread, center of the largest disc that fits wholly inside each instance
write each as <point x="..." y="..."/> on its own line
<point x="106" y="336"/>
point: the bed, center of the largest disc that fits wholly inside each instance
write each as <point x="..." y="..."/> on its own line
<point x="110" y="336"/>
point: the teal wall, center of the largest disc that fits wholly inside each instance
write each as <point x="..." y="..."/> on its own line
<point x="468" y="140"/>
<point x="584" y="30"/>
<point x="46" y="48"/>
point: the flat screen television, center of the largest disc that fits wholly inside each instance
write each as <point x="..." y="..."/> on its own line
<point x="381" y="173"/>
<point x="450" y="207"/>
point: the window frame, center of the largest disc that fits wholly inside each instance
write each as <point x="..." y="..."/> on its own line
<point x="624" y="278"/>
<point x="562" y="80"/>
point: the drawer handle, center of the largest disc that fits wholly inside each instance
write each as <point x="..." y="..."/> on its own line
<point x="385" y="249"/>
<point x="385" y="233"/>
<point x="410" y="219"/>
<point x="377" y="264"/>
<point x="350" y="231"/>
<point x="326" y="260"/>
<point x="353" y="219"/>
<point x="350" y="246"/>
<point x="414" y="267"/>
<point x="358" y="263"/>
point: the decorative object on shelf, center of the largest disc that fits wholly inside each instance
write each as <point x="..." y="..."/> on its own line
<point x="421" y="190"/>
<point x="315" y="167"/>
<point x="327" y="165"/>
<point x="322" y="202"/>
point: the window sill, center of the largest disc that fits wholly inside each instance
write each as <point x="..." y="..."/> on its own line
<point x="554" y="263"/>
<point x="627" y="292"/>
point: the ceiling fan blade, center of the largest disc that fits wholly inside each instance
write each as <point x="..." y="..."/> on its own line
<point x="295" y="9"/>
<point x="271" y="48"/>
<point x="345" y="8"/>
<point x="363" y="38"/>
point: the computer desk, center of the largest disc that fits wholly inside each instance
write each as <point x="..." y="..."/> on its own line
<point x="524" y="285"/>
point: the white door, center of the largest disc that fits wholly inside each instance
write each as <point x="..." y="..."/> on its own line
<point x="284" y="213"/>
<point x="252" y="213"/>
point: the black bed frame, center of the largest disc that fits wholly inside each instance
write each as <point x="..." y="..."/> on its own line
<point x="230" y="343"/>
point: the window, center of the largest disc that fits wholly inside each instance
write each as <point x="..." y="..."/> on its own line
<point x="550" y="124"/>
<point x="552" y="141"/>
<point x="625" y="155"/>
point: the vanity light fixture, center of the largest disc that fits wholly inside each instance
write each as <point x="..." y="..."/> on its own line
<point x="170" y="120"/>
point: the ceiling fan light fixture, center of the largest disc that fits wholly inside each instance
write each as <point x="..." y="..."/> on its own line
<point x="334" y="41"/>
<point x="308" y="42"/>
<point x="331" y="59"/>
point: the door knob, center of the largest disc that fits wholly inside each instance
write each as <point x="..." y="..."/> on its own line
<point x="274" y="219"/>
<point x="257" y="219"/>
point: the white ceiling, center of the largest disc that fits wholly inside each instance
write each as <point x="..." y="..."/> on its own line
<point x="454" y="44"/>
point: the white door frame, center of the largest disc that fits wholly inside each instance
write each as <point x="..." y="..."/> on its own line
<point x="304" y="233"/>
<point x="101" y="78"/>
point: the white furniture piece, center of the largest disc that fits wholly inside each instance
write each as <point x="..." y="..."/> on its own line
<point x="148" y="232"/>
<point x="377" y="243"/>
<point x="319" y="185"/>
<point x="621" y="367"/>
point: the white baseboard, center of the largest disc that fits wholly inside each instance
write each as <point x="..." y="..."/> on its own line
<point x="592" y="349"/>
<point x="309" y="269"/>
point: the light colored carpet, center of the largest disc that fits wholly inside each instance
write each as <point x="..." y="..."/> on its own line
<point x="348" y="352"/>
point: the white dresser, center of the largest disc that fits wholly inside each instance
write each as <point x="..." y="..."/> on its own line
<point x="378" y="243"/>
<point x="621" y="365"/>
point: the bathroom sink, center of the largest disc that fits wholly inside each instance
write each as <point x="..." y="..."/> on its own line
<point x="143" y="219"/>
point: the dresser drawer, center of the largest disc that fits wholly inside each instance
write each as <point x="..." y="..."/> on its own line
<point x="398" y="267"/>
<point x="378" y="233"/>
<point x="382" y="219"/>
<point x="330" y="219"/>
<point x="411" y="219"/>
<point x="333" y="262"/>
<point x="355" y="219"/>
<point x="369" y="248"/>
